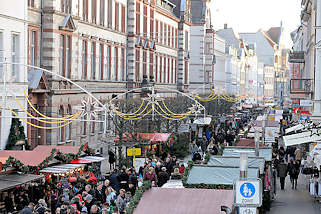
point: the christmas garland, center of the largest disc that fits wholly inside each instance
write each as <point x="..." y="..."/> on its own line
<point x="65" y="158"/>
<point x="201" y="185"/>
<point x="138" y="195"/>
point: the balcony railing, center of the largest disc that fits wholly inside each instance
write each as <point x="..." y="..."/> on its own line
<point x="302" y="86"/>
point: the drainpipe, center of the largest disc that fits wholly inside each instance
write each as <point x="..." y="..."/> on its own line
<point x="226" y="209"/>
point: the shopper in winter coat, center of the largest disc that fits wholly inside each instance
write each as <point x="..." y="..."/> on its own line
<point x="162" y="177"/>
<point x="294" y="170"/>
<point x="282" y="172"/>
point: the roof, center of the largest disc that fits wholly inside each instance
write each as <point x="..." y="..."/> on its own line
<point x="31" y="158"/>
<point x="62" y="168"/>
<point x="34" y="76"/>
<point x="88" y="159"/>
<point x="274" y="33"/>
<point x="63" y="149"/>
<point x="8" y="181"/>
<point x="219" y="175"/>
<point x="235" y="162"/>
<point x="184" y="201"/>
<point x="152" y="137"/>
<point x="272" y="43"/>
<point x="234" y="151"/>
<point x="248" y="143"/>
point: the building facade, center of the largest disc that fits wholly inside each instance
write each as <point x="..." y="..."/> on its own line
<point x="106" y="47"/>
<point x="13" y="37"/>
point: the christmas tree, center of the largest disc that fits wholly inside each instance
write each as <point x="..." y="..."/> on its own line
<point x="16" y="133"/>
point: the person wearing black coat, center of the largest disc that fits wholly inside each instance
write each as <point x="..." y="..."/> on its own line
<point x="294" y="170"/>
<point x="114" y="182"/>
<point x="162" y="177"/>
<point x="123" y="178"/>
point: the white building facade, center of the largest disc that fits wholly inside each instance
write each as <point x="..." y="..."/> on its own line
<point x="13" y="40"/>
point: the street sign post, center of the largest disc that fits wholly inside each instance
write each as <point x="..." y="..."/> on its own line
<point x="134" y="152"/>
<point x="248" y="193"/>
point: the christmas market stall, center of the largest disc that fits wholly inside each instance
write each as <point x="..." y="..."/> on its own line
<point x="182" y="200"/>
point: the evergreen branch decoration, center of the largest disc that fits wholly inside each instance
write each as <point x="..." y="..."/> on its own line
<point x="138" y="195"/>
<point x="16" y="133"/>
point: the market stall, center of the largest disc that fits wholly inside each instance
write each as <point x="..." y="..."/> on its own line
<point x="234" y="151"/>
<point x="8" y="181"/>
<point x="182" y="200"/>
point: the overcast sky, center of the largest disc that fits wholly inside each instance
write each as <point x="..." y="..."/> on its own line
<point x="251" y="15"/>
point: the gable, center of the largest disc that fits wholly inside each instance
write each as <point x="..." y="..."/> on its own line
<point x="68" y="24"/>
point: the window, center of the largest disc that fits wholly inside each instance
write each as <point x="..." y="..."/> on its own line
<point x="61" y="135"/>
<point x="93" y="60"/>
<point x="66" y="6"/>
<point x="33" y="47"/>
<point x="122" y="65"/>
<point x="186" y="40"/>
<point x="61" y="55"/>
<point x="108" y="62"/>
<point x="186" y="72"/>
<point x="173" y="38"/>
<point x="85" y="10"/>
<point x="172" y="71"/>
<point x="110" y="13"/>
<point x="151" y="23"/>
<point x="168" y="70"/>
<point x="93" y="11"/>
<point x="101" y="124"/>
<point x="160" y="68"/>
<point x="164" y="70"/>
<point x="137" y="65"/>
<point x="92" y="126"/>
<point x="123" y="18"/>
<point x="157" y="32"/>
<point x="101" y="62"/>
<point x="84" y="59"/>
<point x="165" y="34"/>
<point x="145" y="21"/>
<point x="116" y="16"/>
<point x="102" y="13"/>
<point x="65" y="55"/>
<point x="151" y="61"/>
<point x="144" y="62"/>
<point x="156" y="68"/>
<point x="15" y="46"/>
<point x="169" y="36"/>
<point x="1" y="56"/>
<point x="84" y="125"/>
<point x="116" y="64"/>
<point x="68" y="127"/>
<point x="68" y="56"/>
<point x="176" y="38"/>
<point x="31" y="3"/>
<point x="137" y="17"/>
<point x="175" y="71"/>
<point x="161" y="33"/>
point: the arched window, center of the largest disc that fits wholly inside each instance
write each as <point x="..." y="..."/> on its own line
<point x="61" y="137"/>
<point x="84" y="125"/>
<point x="68" y="127"/>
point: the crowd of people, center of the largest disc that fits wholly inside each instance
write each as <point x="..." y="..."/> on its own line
<point x="82" y="195"/>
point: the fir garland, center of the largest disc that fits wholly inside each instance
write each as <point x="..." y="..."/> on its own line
<point x="138" y="195"/>
<point x="65" y="158"/>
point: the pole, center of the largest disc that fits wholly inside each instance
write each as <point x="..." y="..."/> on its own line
<point x="257" y="143"/>
<point x="243" y="165"/>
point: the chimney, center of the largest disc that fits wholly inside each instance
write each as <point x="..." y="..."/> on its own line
<point x="225" y="26"/>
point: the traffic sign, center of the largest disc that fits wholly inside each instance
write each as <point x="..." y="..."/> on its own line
<point x="247" y="210"/>
<point x="248" y="193"/>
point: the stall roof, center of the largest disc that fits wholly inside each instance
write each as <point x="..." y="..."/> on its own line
<point x="63" y="149"/>
<point x="249" y="143"/>
<point x="8" y="181"/>
<point x="224" y="175"/>
<point x="63" y="168"/>
<point x="268" y="123"/>
<point x="88" y="159"/>
<point x="203" y="121"/>
<point x="31" y="158"/>
<point x="233" y="151"/>
<point x="153" y="137"/>
<point x="235" y="162"/>
<point x="185" y="200"/>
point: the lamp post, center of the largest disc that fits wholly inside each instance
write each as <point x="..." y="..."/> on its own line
<point x="243" y="164"/>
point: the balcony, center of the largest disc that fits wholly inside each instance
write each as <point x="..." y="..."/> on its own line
<point x="301" y="86"/>
<point x="296" y="57"/>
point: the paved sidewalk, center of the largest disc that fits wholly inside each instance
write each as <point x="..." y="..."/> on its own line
<point x="298" y="201"/>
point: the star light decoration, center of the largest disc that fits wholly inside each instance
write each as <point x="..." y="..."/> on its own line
<point x="90" y="108"/>
<point x="196" y="108"/>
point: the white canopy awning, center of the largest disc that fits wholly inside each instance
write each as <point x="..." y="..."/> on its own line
<point x="304" y="137"/>
<point x="294" y="128"/>
<point x="203" y="121"/>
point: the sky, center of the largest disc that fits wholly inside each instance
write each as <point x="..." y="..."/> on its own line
<point x="251" y="15"/>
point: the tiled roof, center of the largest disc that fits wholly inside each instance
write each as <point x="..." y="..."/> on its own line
<point x="274" y="33"/>
<point x="183" y="201"/>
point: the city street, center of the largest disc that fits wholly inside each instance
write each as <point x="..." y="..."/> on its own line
<point x="298" y="201"/>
